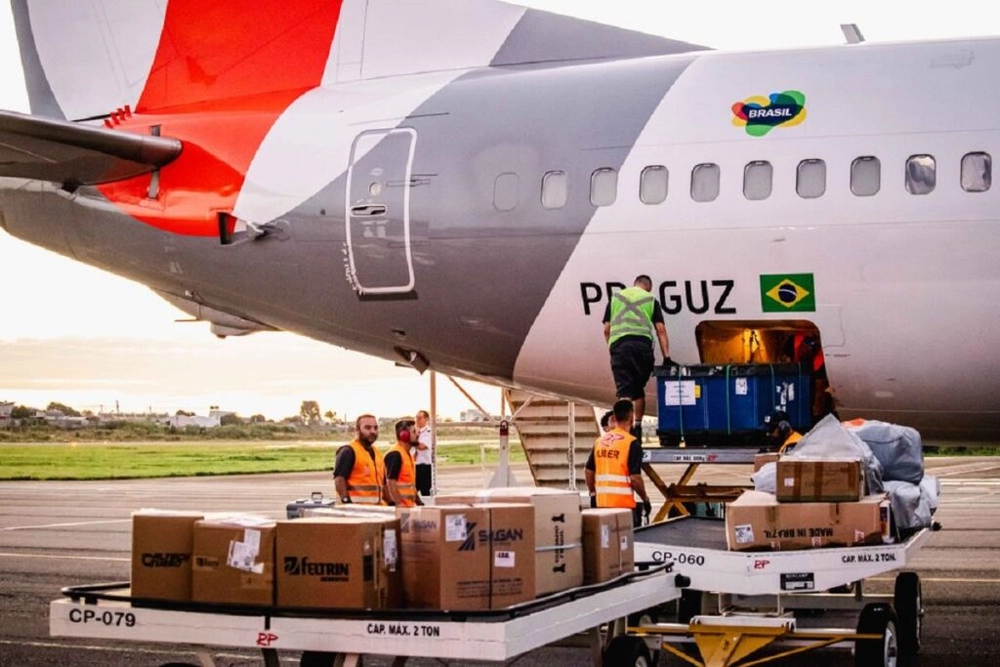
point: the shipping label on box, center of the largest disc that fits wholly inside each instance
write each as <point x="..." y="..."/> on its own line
<point x="757" y="521"/>
<point x="818" y="480"/>
<point x="558" y="531"/>
<point x="162" y="548"/>
<point x="233" y="561"/>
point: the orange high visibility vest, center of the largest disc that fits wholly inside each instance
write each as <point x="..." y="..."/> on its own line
<point x="790" y="441"/>
<point x="367" y="476"/>
<point x="612" y="481"/>
<point x="406" y="483"/>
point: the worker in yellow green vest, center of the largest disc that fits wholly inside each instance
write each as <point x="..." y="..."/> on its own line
<point x="630" y="319"/>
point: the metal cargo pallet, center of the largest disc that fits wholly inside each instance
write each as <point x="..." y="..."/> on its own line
<point x="757" y="590"/>
<point x="698" y="548"/>
<point x="107" y="612"/>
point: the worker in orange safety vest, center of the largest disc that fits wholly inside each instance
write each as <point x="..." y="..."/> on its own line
<point x="400" y="471"/>
<point x="614" y="468"/>
<point x="359" y="471"/>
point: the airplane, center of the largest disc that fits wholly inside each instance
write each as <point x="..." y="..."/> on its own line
<point x="461" y="185"/>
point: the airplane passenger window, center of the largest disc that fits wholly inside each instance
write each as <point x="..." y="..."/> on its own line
<point x="555" y="189"/>
<point x="977" y="172"/>
<point x="705" y="182"/>
<point x="603" y="187"/>
<point x="653" y="184"/>
<point x="505" y="192"/>
<point x="921" y="174"/>
<point x="810" y="179"/>
<point x="866" y="176"/>
<point x="757" y="178"/>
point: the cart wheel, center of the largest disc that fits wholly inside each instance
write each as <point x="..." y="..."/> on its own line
<point x="317" y="659"/>
<point x="627" y="651"/>
<point x="876" y="619"/>
<point x="908" y="603"/>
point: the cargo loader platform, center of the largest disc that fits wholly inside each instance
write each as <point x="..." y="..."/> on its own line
<point x="758" y="591"/>
<point x="343" y="636"/>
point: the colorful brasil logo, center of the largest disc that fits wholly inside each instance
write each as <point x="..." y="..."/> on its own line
<point x="760" y="114"/>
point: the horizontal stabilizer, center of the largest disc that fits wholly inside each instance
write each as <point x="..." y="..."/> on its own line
<point x="73" y="154"/>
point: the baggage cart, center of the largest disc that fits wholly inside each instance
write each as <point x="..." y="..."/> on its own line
<point x="758" y="591"/>
<point x="344" y="636"/>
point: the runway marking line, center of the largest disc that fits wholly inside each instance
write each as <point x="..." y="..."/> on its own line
<point x="66" y="525"/>
<point x="56" y="557"/>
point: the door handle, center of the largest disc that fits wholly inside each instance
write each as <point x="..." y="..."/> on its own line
<point x="369" y="211"/>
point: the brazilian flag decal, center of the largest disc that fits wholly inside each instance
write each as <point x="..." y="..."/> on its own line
<point x="787" y="292"/>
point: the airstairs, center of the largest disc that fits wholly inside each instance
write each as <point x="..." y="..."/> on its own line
<point x="543" y="425"/>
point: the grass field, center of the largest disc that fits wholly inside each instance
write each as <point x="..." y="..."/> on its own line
<point x="79" y="461"/>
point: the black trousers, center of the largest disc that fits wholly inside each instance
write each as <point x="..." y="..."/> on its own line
<point x="424" y="479"/>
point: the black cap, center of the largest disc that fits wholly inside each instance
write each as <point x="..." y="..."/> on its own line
<point x="771" y="421"/>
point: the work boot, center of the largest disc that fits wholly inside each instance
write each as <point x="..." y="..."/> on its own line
<point x="637" y="432"/>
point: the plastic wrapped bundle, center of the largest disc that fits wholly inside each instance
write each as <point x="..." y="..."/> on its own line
<point x="898" y="448"/>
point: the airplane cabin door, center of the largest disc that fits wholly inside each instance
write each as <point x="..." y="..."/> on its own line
<point x="379" y="253"/>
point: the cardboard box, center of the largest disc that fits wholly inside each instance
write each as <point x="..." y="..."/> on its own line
<point x="814" y="480"/>
<point x="757" y="521"/>
<point x="558" y="530"/>
<point x="608" y="544"/>
<point x="332" y="562"/>
<point x="233" y="561"/>
<point x="766" y="457"/>
<point x="464" y="557"/>
<point x="393" y="560"/>
<point x="162" y="545"/>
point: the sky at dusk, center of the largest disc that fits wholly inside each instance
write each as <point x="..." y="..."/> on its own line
<point x="73" y="334"/>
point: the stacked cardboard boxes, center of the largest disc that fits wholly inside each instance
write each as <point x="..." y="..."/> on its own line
<point x="233" y="561"/>
<point x="465" y="557"/>
<point x="608" y="544"/>
<point x="162" y="546"/>
<point x="558" y="531"/>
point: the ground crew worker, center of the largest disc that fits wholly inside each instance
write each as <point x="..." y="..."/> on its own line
<point x="614" y="468"/>
<point x="627" y="321"/>
<point x="607" y="421"/>
<point x="400" y="473"/>
<point x="780" y="433"/>
<point x="359" y="472"/>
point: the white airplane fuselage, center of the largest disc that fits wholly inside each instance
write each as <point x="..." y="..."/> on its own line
<point x="476" y="218"/>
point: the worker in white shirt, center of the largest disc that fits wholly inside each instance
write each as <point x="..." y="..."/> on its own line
<point x="423" y="453"/>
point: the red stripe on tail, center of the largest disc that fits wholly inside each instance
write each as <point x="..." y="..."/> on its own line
<point x="224" y="71"/>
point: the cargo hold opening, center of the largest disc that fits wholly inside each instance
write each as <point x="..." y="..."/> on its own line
<point x="769" y="342"/>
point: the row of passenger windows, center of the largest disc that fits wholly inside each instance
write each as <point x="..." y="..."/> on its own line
<point x="810" y="181"/>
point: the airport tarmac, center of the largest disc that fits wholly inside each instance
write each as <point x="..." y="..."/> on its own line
<point x="56" y="534"/>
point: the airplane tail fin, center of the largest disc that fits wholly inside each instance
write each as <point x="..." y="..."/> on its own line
<point x="84" y="59"/>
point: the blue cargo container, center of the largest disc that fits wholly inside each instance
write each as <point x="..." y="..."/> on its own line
<point x="726" y="404"/>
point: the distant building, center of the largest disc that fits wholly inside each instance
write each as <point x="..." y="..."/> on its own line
<point x="182" y="421"/>
<point x="5" y="410"/>
<point x="58" y="419"/>
<point x="474" y="415"/>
